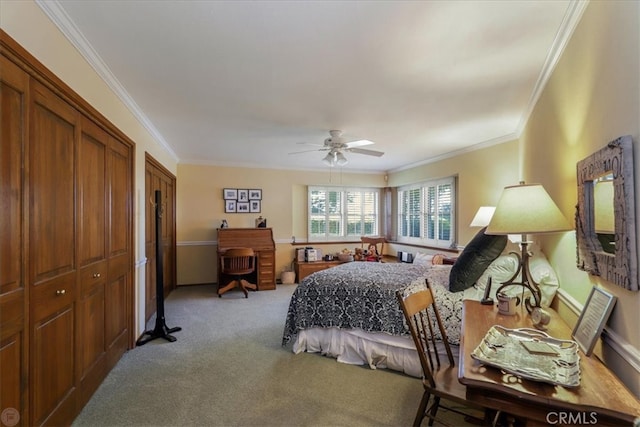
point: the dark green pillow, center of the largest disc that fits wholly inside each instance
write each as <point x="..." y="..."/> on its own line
<point x="474" y="260"/>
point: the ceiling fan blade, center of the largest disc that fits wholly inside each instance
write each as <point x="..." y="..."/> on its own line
<point x="306" y="151"/>
<point x="367" y="152"/>
<point x="310" y="143"/>
<point x="358" y="143"/>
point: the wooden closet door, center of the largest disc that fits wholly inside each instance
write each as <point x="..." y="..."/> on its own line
<point x="53" y="138"/>
<point x="13" y="293"/>
<point x="118" y="298"/>
<point x="92" y="254"/>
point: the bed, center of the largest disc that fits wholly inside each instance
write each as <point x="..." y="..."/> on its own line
<point x="350" y="312"/>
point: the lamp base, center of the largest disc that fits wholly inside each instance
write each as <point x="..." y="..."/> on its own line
<point x="527" y="281"/>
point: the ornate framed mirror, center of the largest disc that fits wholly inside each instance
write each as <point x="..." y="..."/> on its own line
<point x="606" y="216"/>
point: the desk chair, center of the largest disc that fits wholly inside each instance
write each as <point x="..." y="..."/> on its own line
<point x="377" y="243"/>
<point x="237" y="262"/>
<point x="441" y="381"/>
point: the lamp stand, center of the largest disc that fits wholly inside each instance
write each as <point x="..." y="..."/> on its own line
<point x="527" y="280"/>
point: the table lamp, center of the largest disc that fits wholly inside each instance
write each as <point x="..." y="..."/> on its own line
<point x="483" y="216"/>
<point x="526" y="209"/>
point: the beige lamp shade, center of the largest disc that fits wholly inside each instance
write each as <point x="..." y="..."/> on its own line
<point x="526" y="209"/>
<point x="483" y="216"/>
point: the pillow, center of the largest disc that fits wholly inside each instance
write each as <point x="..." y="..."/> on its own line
<point x="504" y="267"/>
<point x="422" y="259"/>
<point x="474" y="260"/>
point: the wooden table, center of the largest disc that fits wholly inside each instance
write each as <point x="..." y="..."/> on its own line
<point x="600" y="399"/>
<point x="305" y="268"/>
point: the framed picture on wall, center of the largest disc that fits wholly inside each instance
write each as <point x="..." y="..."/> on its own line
<point x="230" y="194"/>
<point x="255" y="194"/>
<point x="594" y="315"/>
<point x="242" y="207"/>
<point x="254" y="206"/>
<point x="230" y="205"/>
<point x="243" y="195"/>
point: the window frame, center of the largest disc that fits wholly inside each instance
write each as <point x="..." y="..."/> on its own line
<point x="344" y="215"/>
<point x="422" y="239"/>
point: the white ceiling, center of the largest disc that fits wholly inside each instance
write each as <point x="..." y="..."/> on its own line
<point x="244" y="82"/>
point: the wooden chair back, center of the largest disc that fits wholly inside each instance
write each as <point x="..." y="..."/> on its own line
<point x="377" y="242"/>
<point x="440" y="380"/>
<point x="422" y="317"/>
<point x="238" y="261"/>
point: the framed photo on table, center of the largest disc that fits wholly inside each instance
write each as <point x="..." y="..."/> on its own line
<point x="594" y="315"/>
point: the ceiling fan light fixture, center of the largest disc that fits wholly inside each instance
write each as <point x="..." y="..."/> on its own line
<point x="329" y="159"/>
<point x="341" y="159"/>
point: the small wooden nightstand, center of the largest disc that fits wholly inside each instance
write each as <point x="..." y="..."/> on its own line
<point x="303" y="269"/>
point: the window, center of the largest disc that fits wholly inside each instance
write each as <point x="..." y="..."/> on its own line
<point x="426" y="213"/>
<point x="337" y="213"/>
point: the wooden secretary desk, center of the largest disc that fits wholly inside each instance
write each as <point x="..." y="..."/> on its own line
<point x="258" y="239"/>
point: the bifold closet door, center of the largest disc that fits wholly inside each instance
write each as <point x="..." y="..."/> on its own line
<point x="14" y="85"/>
<point x="52" y="243"/>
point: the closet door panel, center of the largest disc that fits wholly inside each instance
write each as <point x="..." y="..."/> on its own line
<point x="52" y="186"/>
<point x="92" y="206"/>
<point x="118" y="304"/>
<point x="92" y="253"/>
<point x="13" y="85"/>
<point x="13" y="294"/>
<point x="52" y="369"/>
<point x="116" y="322"/>
<point x="53" y="137"/>
<point x="119" y="196"/>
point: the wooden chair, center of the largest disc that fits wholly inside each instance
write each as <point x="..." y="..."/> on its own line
<point x="237" y="262"/>
<point x="439" y="381"/>
<point x="373" y="242"/>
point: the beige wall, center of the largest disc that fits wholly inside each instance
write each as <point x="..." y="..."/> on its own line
<point x="592" y="98"/>
<point x="284" y="202"/>
<point x="482" y="174"/>
<point x="25" y="22"/>
<point x="284" y="205"/>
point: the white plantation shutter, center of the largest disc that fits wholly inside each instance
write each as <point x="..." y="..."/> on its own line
<point x="426" y="213"/>
<point x="336" y="213"/>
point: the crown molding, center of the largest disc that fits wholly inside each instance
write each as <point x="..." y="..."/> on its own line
<point x="61" y="19"/>
<point x="575" y="10"/>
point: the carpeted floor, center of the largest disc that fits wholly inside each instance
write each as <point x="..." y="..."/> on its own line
<point x="228" y="368"/>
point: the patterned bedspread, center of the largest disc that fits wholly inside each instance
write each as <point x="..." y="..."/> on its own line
<point x="362" y="295"/>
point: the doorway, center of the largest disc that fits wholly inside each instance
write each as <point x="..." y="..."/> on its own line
<point x="157" y="177"/>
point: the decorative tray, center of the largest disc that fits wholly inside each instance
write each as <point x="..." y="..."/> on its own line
<point x="531" y="354"/>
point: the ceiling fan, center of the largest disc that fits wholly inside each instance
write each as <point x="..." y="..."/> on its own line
<point x="336" y="146"/>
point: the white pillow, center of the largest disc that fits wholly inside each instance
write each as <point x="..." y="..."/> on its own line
<point x="423" y="259"/>
<point x="504" y="267"/>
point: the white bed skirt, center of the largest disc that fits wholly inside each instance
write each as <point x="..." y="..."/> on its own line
<point x="357" y="347"/>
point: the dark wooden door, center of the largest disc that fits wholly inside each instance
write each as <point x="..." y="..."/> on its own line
<point x="13" y="292"/>
<point x="53" y="141"/>
<point x="66" y="246"/>
<point x="119" y="286"/>
<point x="92" y="254"/>
<point x="158" y="178"/>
